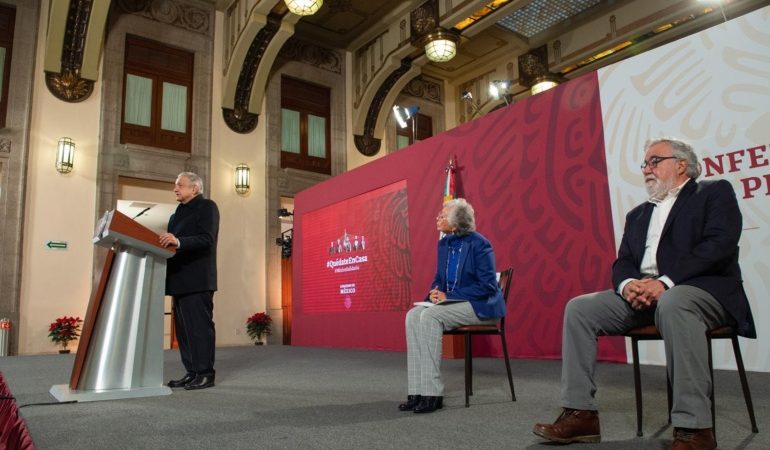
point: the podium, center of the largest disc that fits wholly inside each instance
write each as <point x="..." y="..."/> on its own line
<point x="120" y="353"/>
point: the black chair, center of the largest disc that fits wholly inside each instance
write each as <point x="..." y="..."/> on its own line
<point x="494" y="329"/>
<point x="650" y="333"/>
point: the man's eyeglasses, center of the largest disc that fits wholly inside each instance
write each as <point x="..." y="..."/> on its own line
<point x="654" y="161"/>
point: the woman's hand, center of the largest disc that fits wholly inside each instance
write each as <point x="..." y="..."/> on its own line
<point x="436" y="296"/>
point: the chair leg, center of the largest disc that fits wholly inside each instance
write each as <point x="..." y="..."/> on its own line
<point x="469" y="346"/>
<point x="508" y="366"/>
<point x="468" y="370"/>
<point x="637" y="385"/>
<point x="744" y="383"/>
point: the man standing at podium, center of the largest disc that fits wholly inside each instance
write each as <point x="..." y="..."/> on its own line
<point x="191" y="279"/>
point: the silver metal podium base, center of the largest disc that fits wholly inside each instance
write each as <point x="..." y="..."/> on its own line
<point x="63" y="393"/>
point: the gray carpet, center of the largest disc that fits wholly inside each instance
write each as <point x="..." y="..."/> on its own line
<point x="296" y="397"/>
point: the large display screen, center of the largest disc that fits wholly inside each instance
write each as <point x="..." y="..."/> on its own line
<point x="356" y="254"/>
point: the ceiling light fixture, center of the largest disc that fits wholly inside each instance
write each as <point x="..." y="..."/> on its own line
<point x="543" y="84"/>
<point x="534" y="73"/>
<point x="304" y="7"/>
<point x="441" y="45"/>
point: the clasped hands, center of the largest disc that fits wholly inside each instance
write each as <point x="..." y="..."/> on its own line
<point x="436" y="296"/>
<point x="643" y="294"/>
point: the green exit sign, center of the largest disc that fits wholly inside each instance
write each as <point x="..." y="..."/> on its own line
<point x="56" y="245"/>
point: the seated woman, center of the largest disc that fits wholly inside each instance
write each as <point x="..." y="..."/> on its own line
<point x="466" y="276"/>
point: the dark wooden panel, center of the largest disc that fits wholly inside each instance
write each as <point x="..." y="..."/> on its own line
<point x="301" y="95"/>
<point x="154" y="57"/>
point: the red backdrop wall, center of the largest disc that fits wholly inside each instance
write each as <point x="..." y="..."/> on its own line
<point x="536" y="175"/>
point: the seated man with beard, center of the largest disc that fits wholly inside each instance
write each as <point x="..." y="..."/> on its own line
<point x="677" y="267"/>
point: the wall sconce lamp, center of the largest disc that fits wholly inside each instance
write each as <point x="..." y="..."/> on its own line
<point x="242" y="179"/>
<point x="441" y="45"/>
<point x="500" y="88"/>
<point x="304" y="7"/>
<point x="65" y="155"/>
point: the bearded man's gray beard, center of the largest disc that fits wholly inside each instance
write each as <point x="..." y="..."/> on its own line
<point x="657" y="188"/>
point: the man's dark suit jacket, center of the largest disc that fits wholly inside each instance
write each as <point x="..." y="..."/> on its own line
<point x="194" y="266"/>
<point x="476" y="277"/>
<point x="698" y="246"/>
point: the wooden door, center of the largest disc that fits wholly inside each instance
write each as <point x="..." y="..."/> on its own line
<point x="286" y="299"/>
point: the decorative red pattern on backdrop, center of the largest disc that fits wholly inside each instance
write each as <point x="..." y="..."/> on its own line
<point x="536" y="175"/>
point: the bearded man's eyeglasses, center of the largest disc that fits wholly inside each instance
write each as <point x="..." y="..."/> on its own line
<point x="654" y="161"/>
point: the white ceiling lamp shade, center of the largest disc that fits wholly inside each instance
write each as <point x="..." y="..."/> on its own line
<point x="304" y="7"/>
<point x="441" y="45"/>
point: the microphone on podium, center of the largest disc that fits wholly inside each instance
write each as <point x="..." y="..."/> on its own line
<point x="142" y="212"/>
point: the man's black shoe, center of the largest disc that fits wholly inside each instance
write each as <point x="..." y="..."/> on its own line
<point x="182" y="382"/>
<point x="429" y="403"/>
<point x="411" y="402"/>
<point x="200" y="382"/>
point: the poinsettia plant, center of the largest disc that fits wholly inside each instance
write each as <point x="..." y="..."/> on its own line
<point x="258" y="325"/>
<point x="64" y="330"/>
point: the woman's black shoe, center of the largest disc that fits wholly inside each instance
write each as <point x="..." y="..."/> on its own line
<point x="429" y="403"/>
<point x="411" y="402"/>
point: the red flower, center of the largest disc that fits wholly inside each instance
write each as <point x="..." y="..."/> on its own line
<point x="258" y="324"/>
<point x="65" y="329"/>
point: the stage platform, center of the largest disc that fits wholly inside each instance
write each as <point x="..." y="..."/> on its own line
<point x="299" y="397"/>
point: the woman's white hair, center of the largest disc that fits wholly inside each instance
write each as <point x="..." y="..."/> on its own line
<point x="460" y="216"/>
